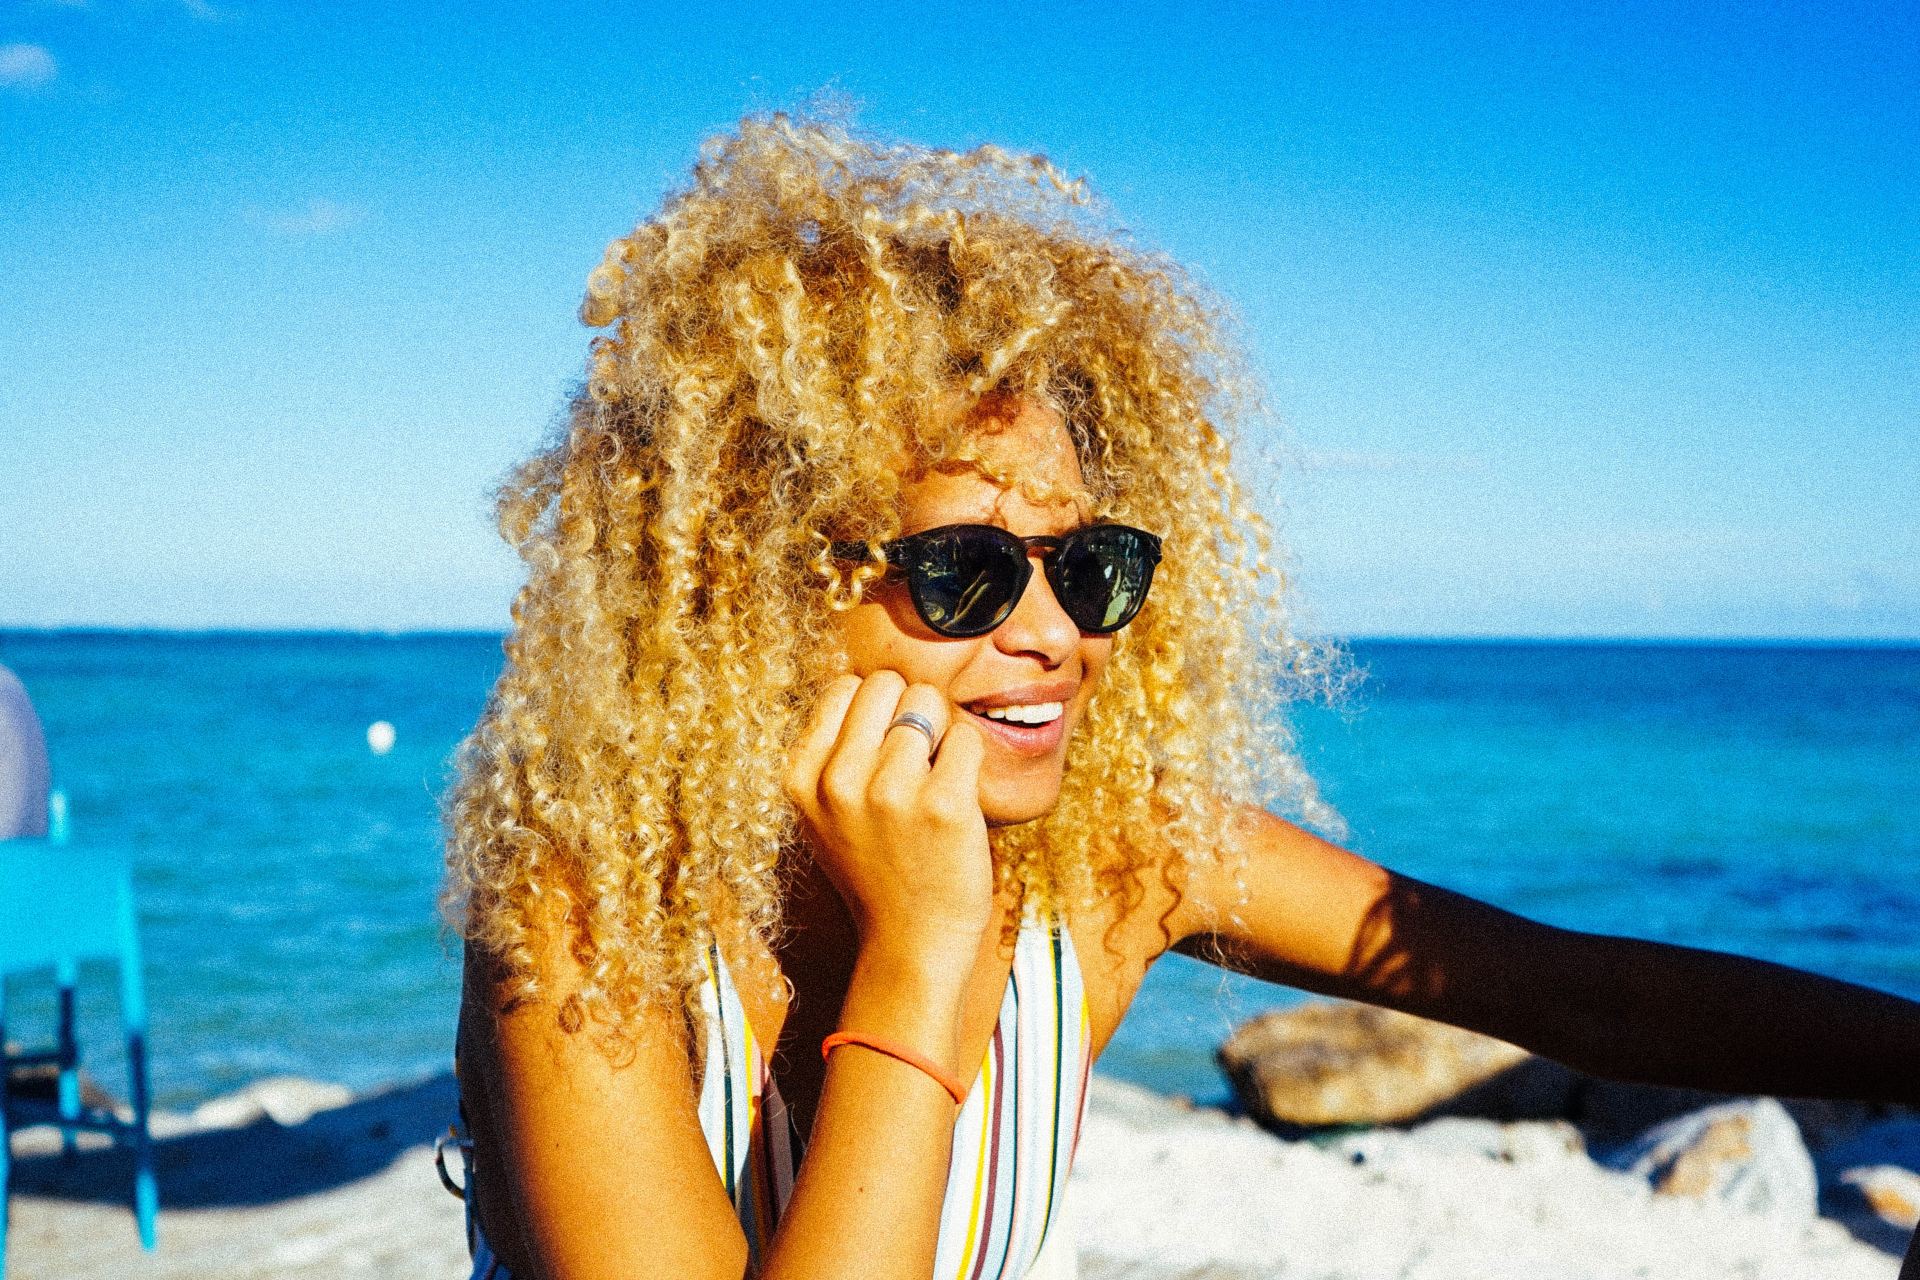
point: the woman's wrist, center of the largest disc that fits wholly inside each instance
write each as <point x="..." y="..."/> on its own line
<point x="911" y="996"/>
<point x="929" y="971"/>
<point x="904" y="937"/>
<point x="906" y="1053"/>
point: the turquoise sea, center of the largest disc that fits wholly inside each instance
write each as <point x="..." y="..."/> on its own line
<point x="1760" y="799"/>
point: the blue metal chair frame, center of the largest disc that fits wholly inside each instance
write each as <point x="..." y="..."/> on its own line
<point x="58" y="906"/>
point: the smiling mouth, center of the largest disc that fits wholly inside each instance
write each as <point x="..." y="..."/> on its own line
<point x="1031" y="714"/>
<point x="1032" y="730"/>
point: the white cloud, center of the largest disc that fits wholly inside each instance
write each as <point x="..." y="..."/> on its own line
<point x="26" y="66"/>
<point x="318" y="217"/>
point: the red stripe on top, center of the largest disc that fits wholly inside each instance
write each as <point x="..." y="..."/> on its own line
<point x="993" y="1158"/>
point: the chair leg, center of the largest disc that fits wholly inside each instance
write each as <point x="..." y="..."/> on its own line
<point x="146" y="1193"/>
<point x="68" y="977"/>
<point x="133" y="1013"/>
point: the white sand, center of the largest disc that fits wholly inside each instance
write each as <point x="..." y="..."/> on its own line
<point x="1159" y="1192"/>
<point x="348" y="1191"/>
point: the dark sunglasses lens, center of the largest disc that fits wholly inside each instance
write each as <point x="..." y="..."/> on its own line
<point x="1101" y="576"/>
<point x="966" y="581"/>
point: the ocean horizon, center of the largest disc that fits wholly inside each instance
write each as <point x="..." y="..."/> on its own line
<point x="1752" y="795"/>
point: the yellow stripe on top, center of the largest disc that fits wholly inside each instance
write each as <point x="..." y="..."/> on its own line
<point x="1010" y="1160"/>
<point x="983" y="1086"/>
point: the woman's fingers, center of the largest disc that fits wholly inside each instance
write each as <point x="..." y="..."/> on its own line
<point x="905" y="752"/>
<point x="810" y="751"/>
<point x="953" y="787"/>
<point x="850" y="766"/>
<point x="901" y="850"/>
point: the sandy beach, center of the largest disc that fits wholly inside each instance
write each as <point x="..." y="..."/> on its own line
<point x="295" y="1179"/>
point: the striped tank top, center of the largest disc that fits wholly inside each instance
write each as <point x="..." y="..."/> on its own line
<point x="1013" y="1140"/>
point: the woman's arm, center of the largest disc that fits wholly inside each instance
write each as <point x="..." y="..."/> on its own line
<point x="584" y="1169"/>
<point x="607" y="1173"/>
<point x="1329" y="921"/>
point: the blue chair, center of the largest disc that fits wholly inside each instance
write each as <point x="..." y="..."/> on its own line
<point x="58" y="906"/>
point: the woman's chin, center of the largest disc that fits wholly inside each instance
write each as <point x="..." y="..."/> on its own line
<point x="1009" y="806"/>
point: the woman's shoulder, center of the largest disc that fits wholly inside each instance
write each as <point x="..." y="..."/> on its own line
<point x="522" y="1015"/>
<point x="1161" y="891"/>
<point x="1133" y="915"/>
<point x="585" y="1125"/>
<point x="1164" y="899"/>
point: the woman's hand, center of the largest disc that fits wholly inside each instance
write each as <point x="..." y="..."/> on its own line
<point x="901" y="837"/>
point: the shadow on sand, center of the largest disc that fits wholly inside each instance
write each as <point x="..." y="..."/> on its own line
<point x="259" y="1163"/>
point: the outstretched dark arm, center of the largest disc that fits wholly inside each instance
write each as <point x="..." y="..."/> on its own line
<point x="1326" y="920"/>
<point x="1662" y="1014"/>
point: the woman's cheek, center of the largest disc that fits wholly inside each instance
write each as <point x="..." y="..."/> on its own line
<point x="872" y="640"/>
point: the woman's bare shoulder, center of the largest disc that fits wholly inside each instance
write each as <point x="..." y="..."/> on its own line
<point x="523" y="1030"/>
<point x="1254" y="873"/>
<point x="1170" y="894"/>
<point x="1139" y="915"/>
<point x="581" y="1132"/>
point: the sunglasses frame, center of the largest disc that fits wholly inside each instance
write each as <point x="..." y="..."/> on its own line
<point x="898" y="554"/>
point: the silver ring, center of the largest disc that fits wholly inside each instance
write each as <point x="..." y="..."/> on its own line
<point x="913" y="719"/>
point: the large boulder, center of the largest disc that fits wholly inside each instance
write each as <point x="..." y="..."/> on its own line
<point x="1336" y="1063"/>
<point x="1745" y="1154"/>
<point x="24" y="775"/>
<point x="41" y="1082"/>
<point x="1330" y="1063"/>
<point x="1612" y="1111"/>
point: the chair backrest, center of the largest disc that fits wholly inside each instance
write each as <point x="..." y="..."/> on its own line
<point x="58" y="902"/>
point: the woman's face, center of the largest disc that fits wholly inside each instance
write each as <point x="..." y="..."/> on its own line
<point x="1037" y="657"/>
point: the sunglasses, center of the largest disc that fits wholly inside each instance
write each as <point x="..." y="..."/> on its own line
<point x="965" y="579"/>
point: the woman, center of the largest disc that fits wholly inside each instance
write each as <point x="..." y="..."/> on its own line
<point x="895" y="681"/>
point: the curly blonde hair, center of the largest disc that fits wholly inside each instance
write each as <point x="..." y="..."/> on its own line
<point x="788" y="328"/>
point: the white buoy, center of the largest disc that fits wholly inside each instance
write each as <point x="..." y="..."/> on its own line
<point x="380" y="737"/>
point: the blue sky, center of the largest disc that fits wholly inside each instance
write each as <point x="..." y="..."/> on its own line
<point x="1577" y="320"/>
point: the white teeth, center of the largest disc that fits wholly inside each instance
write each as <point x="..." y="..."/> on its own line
<point x="1037" y="713"/>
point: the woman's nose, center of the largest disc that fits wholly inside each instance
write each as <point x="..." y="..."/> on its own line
<point x="1038" y="625"/>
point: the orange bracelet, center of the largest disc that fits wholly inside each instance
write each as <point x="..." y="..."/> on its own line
<point x="899" y="1051"/>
